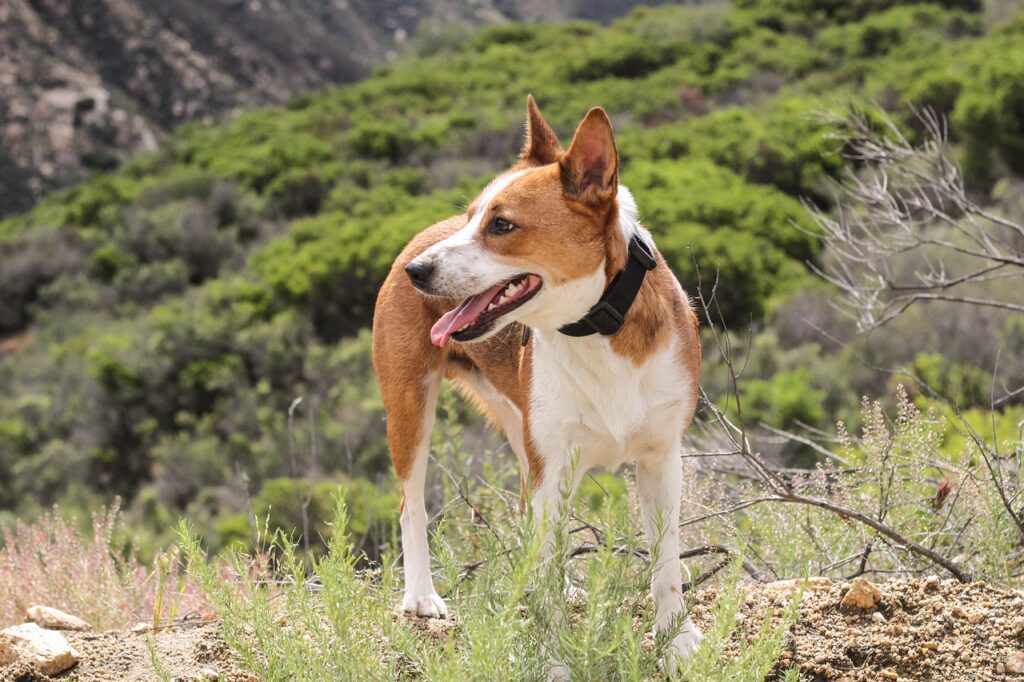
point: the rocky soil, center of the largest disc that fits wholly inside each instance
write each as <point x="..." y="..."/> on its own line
<point x="194" y="651"/>
<point x="926" y="629"/>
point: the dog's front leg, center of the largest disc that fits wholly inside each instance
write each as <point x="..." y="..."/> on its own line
<point x="410" y="416"/>
<point x="659" y="486"/>
<point x="552" y="494"/>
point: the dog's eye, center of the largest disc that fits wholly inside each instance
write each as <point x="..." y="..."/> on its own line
<point x="500" y="226"/>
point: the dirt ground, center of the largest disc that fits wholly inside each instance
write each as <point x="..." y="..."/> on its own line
<point x="186" y="652"/>
<point x="917" y="630"/>
<point x="926" y="629"/>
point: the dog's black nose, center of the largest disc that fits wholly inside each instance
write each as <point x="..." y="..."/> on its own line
<point x="419" y="272"/>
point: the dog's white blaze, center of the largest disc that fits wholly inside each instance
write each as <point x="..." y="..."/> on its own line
<point x="464" y="266"/>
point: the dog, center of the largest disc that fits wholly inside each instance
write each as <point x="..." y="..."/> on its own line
<point x="548" y="304"/>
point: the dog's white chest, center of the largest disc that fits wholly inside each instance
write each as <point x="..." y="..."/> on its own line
<point x="585" y="397"/>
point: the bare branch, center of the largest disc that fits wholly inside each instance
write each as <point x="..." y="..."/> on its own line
<point x="904" y="230"/>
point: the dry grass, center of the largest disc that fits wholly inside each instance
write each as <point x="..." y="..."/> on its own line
<point x="53" y="562"/>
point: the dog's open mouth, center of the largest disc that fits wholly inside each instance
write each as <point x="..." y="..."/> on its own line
<point x="476" y="315"/>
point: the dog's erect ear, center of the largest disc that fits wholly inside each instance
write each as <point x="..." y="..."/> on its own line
<point x="590" y="169"/>
<point x="541" y="146"/>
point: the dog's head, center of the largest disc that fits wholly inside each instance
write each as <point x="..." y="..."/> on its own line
<point x="542" y="240"/>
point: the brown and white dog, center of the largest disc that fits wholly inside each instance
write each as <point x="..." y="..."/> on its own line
<point x="538" y="248"/>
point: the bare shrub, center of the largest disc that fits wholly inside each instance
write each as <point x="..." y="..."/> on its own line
<point x="905" y="229"/>
<point x="900" y="497"/>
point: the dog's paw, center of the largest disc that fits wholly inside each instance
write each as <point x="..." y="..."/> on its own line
<point x="683" y="646"/>
<point x="429" y="605"/>
<point x="687" y="641"/>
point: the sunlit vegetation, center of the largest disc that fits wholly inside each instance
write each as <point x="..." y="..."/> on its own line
<point x="163" y="320"/>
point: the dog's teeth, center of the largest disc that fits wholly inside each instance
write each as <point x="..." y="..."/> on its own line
<point x="503" y="300"/>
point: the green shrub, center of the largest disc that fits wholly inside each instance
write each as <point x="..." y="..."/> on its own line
<point x="808" y="15"/>
<point x="381" y="139"/>
<point x="152" y="281"/>
<point x="297" y="193"/>
<point x="27" y="265"/>
<point x="333" y="265"/>
<point x="707" y="217"/>
<point x="897" y="30"/>
<point x="290" y="504"/>
<point x="784" y="399"/>
<point x="505" y="608"/>
<point x="988" y="111"/>
<point x="109" y="260"/>
<point x="784" y="145"/>
<point x="95" y="204"/>
<point x="621" y="56"/>
<point x="961" y="384"/>
<point x="600" y="488"/>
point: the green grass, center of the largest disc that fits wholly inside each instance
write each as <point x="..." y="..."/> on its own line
<point x="338" y="620"/>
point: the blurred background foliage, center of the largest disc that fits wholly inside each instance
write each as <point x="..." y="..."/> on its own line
<point x="157" y="322"/>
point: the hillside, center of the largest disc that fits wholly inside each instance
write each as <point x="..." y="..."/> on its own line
<point x="160" y="322"/>
<point x="85" y="84"/>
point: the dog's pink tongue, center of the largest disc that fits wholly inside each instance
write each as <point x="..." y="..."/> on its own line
<point x="454" y="320"/>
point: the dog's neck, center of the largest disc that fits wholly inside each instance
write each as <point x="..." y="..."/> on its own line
<point x="641" y="334"/>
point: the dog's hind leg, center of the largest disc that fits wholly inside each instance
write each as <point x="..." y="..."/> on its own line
<point x="410" y="419"/>
<point x="659" y="486"/>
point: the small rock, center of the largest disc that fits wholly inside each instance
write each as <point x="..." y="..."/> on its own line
<point x="1017" y="627"/>
<point x="819" y="582"/>
<point x="878" y="617"/>
<point x="889" y="675"/>
<point x="55" y="619"/>
<point x="1000" y="669"/>
<point x="1015" y="662"/>
<point x="862" y="595"/>
<point x="208" y="675"/>
<point x="8" y="655"/>
<point x="46" y="651"/>
<point x="792" y="586"/>
<point x="140" y="627"/>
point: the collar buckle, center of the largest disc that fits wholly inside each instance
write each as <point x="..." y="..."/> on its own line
<point x="603" y="318"/>
<point x="641" y="252"/>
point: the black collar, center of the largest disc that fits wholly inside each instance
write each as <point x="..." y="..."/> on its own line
<point x="609" y="313"/>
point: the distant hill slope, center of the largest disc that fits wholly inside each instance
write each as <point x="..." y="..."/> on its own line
<point x="85" y="83"/>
